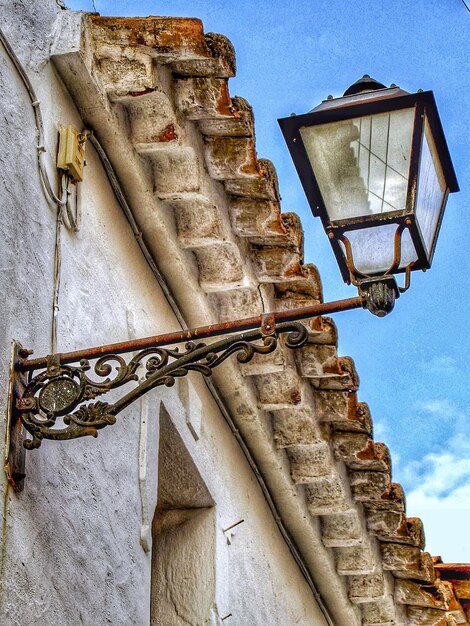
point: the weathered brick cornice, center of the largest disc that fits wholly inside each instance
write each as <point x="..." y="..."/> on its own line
<point x="155" y="91"/>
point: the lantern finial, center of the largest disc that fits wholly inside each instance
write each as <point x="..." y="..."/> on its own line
<point x="366" y="83"/>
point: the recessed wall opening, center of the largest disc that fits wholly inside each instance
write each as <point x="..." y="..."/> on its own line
<point x="183" y="537"/>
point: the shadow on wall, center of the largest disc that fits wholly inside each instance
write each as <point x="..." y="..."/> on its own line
<point x="183" y="538"/>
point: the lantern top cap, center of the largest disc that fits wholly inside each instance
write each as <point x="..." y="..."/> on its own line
<point x="364" y="89"/>
<point x="366" y="83"/>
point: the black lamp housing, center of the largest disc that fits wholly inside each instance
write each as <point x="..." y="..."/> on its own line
<point x="374" y="158"/>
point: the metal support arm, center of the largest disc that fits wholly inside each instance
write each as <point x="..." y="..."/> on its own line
<point x="64" y="386"/>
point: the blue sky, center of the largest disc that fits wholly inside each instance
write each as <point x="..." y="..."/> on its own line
<point x="413" y="364"/>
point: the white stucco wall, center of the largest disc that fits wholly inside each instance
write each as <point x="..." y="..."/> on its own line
<point x="72" y="541"/>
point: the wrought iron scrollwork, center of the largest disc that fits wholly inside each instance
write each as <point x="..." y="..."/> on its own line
<point x="68" y="391"/>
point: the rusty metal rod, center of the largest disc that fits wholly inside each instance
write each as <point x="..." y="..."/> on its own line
<point x="202" y="332"/>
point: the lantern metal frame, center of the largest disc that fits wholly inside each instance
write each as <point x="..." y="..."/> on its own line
<point x="361" y="104"/>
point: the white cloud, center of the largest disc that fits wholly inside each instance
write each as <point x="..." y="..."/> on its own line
<point x="439" y="407"/>
<point x="380" y="430"/>
<point x="441" y="498"/>
<point x="442" y="479"/>
<point x="436" y="407"/>
<point x="438" y="483"/>
<point x="440" y="364"/>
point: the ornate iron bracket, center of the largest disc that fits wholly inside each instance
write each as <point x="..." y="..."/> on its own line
<point x="55" y="397"/>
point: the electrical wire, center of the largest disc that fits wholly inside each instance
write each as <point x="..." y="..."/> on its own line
<point x="65" y="215"/>
<point x="56" y="279"/>
<point x="466" y="5"/>
<point x="35" y="103"/>
<point x="72" y="218"/>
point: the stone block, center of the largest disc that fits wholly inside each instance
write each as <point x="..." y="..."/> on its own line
<point x="176" y="170"/>
<point x="295" y="426"/>
<point x="392" y="499"/>
<point x="220" y="267"/>
<point x="257" y="219"/>
<point x="310" y="461"/>
<point x="366" y="588"/>
<point x="315" y="360"/>
<point x="399" y="557"/>
<point x="236" y="303"/>
<point x="392" y="526"/>
<point x="380" y="612"/>
<point x="295" y="234"/>
<point x="358" y="419"/>
<point x="230" y="157"/>
<point x="323" y="329"/>
<point x="275" y="264"/>
<point x="407" y="562"/>
<point x="455" y="607"/>
<point x="368" y="485"/>
<point x="326" y="496"/>
<point x="264" y="186"/>
<point x="197" y="221"/>
<point x="331" y="406"/>
<point x="153" y="123"/>
<point x="219" y="59"/>
<point x="166" y="38"/>
<point x="337" y="376"/>
<point x="279" y="390"/>
<point x="306" y="290"/>
<point x="125" y="71"/>
<point x="418" y="616"/>
<point x="202" y="98"/>
<point x="436" y="596"/>
<point x="342" y="529"/>
<point x="354" y="560"/>
<point x="359" y="452"/>
<point x="239" y="124"/>
<point x="342" y="411"/>
<point x="266" y="363"/>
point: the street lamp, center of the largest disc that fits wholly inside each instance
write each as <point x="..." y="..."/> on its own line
<point x="375" y="167"/>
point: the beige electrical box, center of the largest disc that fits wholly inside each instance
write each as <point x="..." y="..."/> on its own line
<point x="71" y="155"/>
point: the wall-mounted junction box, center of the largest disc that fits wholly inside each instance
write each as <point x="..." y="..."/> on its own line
<point x="71" y="154"/>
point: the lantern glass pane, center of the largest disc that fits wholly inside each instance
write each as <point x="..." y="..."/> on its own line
<point x="362" y="164"/>
<point x="431" y="189"/>
<point x="373" y="248"/>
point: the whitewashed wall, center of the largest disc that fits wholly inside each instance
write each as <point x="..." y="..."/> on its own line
<point x="75" y="541"/>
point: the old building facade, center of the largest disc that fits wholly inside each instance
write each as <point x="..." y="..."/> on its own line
<point x="257" y="498"/>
